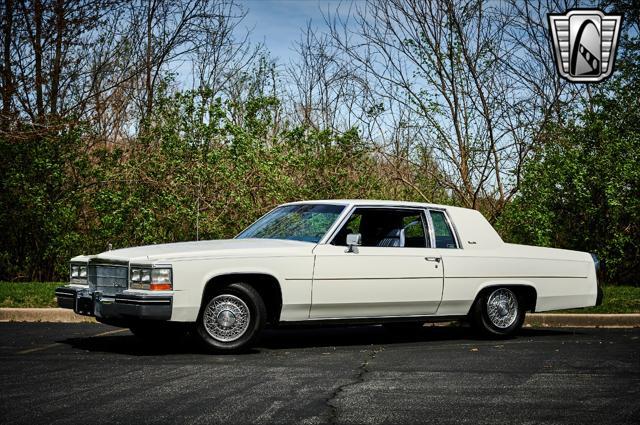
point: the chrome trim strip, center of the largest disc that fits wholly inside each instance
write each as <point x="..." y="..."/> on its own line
<point x="453" y="229"/>
<point x="110" y="265"/>
<point x="375" y="318"/>
<point x="141" y="301"/>
<point x="432" y="233"/>
<point x="380" y="278"/>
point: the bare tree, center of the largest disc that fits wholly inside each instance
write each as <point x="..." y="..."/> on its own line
<point x="226" y="49"/>
<point x="448" y="70"/>
<point x="6" y="72"/>
<point x="43" y="43"/>
<point x="105" y="61"/>
<point x="319" y="89"/>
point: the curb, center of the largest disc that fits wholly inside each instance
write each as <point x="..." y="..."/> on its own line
<point x="54" y="315"/>
<point x="559" y="320"/>
<point x="535" y="320"/>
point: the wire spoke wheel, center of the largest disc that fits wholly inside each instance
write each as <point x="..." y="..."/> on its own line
<point x="226" y="318"/>
<point x="502" y="308"/>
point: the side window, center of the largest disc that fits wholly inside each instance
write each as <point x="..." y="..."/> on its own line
<point x="385" y="227"/>
<point x="414" y="234"/>
<point x="442" y="230"/>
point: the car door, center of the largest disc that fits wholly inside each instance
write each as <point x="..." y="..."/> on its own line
<point x="393" y="273"/>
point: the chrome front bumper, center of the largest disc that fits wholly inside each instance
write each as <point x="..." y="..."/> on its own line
<point x="121" y="306"/>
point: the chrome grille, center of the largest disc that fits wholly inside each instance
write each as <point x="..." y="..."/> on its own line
<point x="109" y="279"/>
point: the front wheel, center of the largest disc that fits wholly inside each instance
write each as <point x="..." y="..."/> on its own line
<point x="498" y="312"/>
<point x="231" y="318"/>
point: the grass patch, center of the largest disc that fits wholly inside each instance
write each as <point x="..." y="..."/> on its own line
<point x="617" y="299"/>
<point x="28" y="294"/>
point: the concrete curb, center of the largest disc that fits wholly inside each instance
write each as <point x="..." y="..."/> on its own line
<point x="536" y="320"/>
<point x="559" y="320"/>
<point x="60" y="315"/>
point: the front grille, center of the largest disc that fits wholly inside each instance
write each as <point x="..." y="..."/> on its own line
<point x="109" y="279"/>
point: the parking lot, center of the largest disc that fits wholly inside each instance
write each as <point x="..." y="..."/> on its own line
<point x="88" y="373"/>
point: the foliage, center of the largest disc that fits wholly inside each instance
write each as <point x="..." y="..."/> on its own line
<point x="28" y="294"/>
<point x="41" y="198"/>
<point x="471" y="113"/>
<point x="582" y="189"/>
<point x="201" y="168"/>
<point x="617" y="299"/>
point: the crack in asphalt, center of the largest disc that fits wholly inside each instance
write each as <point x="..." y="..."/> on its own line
<point x="359" y="378"/>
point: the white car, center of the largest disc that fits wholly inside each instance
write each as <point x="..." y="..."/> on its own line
<point x="331" y="261"/>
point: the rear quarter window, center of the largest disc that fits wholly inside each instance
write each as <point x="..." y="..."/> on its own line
<point x="442" y="230"/>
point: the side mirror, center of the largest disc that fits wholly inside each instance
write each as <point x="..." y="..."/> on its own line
<point x="353" y="241"/>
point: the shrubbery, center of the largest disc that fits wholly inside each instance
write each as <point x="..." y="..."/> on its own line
<point x="195" y="171"/>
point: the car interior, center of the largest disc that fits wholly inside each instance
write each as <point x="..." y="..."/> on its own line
<point x="385" y="227"/>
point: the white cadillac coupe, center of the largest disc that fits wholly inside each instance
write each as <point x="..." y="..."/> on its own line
<point x="356" y="261"/>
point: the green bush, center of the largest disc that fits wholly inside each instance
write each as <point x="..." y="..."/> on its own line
<point x="199" y="168"/>
<point x="581" y="190"/>
<point x="28" y="294"/>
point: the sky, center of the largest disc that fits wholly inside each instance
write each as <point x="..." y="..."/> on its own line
<point x="278" y="23"/>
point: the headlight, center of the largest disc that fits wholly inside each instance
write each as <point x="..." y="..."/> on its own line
<point x="78" y="273"/>
<point x="135" y="275"/>
<point x="153" y="279"/>
<point x="145" y="276"/>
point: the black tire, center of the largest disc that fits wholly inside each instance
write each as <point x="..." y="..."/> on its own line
<point x="238" y="298"/>
<point x="498" y="326"/>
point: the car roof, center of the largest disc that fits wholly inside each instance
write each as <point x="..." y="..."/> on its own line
<point x="373" y="202"/>
<point x="472" y="228"/>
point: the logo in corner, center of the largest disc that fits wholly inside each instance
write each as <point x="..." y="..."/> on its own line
<point x="584" y="44"/>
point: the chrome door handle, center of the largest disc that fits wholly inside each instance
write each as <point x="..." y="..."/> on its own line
<point x="436" y="259"/>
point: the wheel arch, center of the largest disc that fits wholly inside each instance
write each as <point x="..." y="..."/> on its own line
<point x="526" y="290"/>
<point x="265" y="283"/>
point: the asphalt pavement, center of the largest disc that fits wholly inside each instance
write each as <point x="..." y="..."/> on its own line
<point x="93" y="374"/>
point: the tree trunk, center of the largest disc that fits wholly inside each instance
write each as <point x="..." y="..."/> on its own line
<point x="57" y="60"/>
<point x="7" y="75"/>
<point x="37" y="50"/>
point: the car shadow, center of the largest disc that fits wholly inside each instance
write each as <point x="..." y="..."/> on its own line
<point x="342" y="336"/>
<point x="299" y="338"/>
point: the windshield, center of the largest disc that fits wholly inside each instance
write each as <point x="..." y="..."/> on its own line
<point x="303" y="222"/>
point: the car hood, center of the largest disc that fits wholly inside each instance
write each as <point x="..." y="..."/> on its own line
<point x="210" y="249"/>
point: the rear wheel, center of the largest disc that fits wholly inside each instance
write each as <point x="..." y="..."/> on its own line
<point x="231" y="318"/>
<point x="498" y="312"/>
